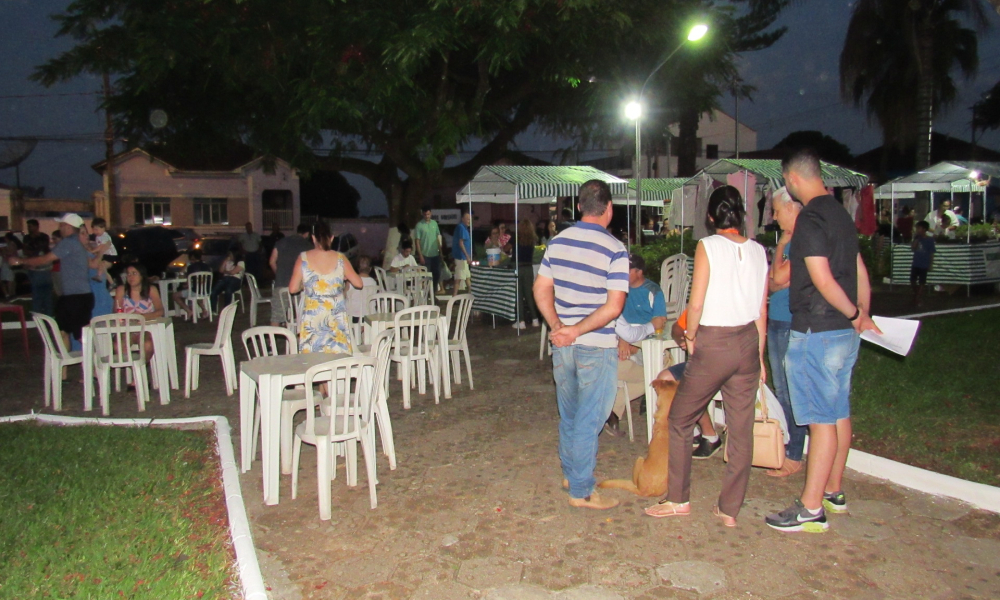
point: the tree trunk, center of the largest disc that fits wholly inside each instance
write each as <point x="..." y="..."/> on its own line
<point x="925" y="95"/>
<point x="687" y="143"/>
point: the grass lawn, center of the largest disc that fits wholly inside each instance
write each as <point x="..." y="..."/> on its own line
<point x="111" y="512"/>
<point x="938" y="407"/>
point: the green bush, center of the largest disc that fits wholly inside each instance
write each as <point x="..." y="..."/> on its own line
<point x="980" y="233"/>
<point x="662" y="248"/>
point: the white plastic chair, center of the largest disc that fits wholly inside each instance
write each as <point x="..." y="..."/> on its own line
<point x="338" y="433"/>
<point x="380" y="350"/>
<point x="267" y="341"/>
<point x="544" y="343"/>
<point x="114" y="335"/>
<point x="674" y="281"/>
<point x="387" y="303"/>
<point x="56" y="357"/>
<point x="457" y="313"/>
<point x="200" y="291"/>
<point x="221" y="347"/>
<point x="380" y="278"/>
<point x="415" y="348"/>
<point x="293" y="308"/>
<point x="628" y="408"/>
<point x="239" y="292"/>
<point x="255" y="298"/>
<point x="418" y="286"/>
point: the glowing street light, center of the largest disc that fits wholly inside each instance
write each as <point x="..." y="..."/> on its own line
<point x="633" y="111"/>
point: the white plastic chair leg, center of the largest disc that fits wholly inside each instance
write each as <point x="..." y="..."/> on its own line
<point x="385" y="432"/>
<point x="47" y="378"/>
<point x="351" y="463"/>
<point x="404" y="372"/>
<point x="323" y="478"/>
<point x="368" y="450"/>
<point x="188" y="374"/>
<point x="286" y="434"/>
<point x="468" y="363"/>
<point x="296" y="452"/>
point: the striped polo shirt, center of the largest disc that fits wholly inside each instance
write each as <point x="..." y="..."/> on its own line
<point x="584" y="262"/>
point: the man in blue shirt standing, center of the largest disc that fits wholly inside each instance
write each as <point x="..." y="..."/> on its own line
<point x="585" y="274"/>
<point x="461" y="251"/>
<point x="644" y="305"/>
<point x="74" y="306"/>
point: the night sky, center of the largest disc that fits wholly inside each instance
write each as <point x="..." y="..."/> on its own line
<point x="797" y="88"/>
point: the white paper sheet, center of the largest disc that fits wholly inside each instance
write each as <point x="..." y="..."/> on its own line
<point x="897" y="334"/>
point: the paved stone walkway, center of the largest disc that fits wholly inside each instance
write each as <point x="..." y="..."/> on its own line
<point x="475" y="510"/>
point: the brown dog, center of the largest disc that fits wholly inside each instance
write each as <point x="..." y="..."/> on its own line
<point x="649" y="476"/>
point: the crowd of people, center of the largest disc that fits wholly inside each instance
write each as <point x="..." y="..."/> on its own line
<point x="809" y="306"/>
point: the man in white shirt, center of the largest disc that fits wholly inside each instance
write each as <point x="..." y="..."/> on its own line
<point x="404" y="259"/>
<point x="938" y="226"/>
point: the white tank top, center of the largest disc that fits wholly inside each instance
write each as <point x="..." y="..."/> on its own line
<point x="736" y="282"/>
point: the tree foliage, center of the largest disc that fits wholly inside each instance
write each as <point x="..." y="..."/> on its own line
<point x="987" y="110"/>
<point x="898" y="59"/>
<point x="414" y="81"/>
<point x="828" y="148"/>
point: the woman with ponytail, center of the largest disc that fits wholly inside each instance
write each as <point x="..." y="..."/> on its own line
<point x="320" y="275"/>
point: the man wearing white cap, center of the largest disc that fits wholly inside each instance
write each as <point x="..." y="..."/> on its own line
<point x="77" y="301"/>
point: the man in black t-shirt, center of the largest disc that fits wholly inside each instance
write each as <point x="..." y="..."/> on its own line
<point x="829" y="298"/>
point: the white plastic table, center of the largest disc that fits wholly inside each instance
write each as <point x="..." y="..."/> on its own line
<point x="168" y="286"/>
<point x="268" y="376"/>
<point x="164" y="354"/>
<point x="379" y="322"/>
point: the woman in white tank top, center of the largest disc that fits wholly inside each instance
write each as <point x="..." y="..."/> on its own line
<point x="726" y="327"/>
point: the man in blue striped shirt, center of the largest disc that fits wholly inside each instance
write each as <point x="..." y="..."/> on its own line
<point x="580" y="290"/>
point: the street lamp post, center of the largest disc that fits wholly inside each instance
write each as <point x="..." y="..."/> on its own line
<point x="633" y="110"/>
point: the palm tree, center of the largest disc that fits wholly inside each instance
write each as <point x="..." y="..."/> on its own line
<point x="897" y="60"/>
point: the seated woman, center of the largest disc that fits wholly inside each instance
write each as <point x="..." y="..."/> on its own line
<point x="138" y="296"/>
<point x="230" y="281"/>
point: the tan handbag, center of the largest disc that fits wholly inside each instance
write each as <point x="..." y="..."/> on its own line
<point x="768" y="438"/>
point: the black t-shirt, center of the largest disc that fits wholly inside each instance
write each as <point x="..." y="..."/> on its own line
<point x="824" y="229"/>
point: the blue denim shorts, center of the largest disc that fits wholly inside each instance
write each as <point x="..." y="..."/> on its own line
<point x="818" y="367"/>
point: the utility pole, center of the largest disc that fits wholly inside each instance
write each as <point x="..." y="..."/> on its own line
<point x="110" y="186"/>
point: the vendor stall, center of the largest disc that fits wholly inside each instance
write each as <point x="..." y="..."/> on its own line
<point x="508" y="184"/>
<point x="954" y="263"/>
<point x="756" y="179"/>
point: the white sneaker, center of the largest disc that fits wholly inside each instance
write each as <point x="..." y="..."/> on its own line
<point x="534" y="323"/>
<point x="519" y="325"/>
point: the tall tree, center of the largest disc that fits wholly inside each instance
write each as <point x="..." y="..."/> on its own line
<point x="412" y="81"/>
<point x="897" y="61"/>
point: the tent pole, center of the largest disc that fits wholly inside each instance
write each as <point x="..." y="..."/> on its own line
<point x="892" y="253"/>
<point x="682" y="218"/>
<point x="892" y="233"/>
<point x="517" y="280"/>
<point x="747" y="218"/>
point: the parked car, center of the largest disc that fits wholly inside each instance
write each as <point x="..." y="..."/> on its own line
<point x="184" y="238"/>
<point x="152" y="247"/>
<point x="346" y="244"/>
<point x="213" y="251"/>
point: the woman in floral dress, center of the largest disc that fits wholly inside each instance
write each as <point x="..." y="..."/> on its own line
<point x="320" y="275"/>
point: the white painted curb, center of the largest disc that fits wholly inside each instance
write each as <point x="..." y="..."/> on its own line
<point x="239" y="525"/>
<point x="979" y="495"/>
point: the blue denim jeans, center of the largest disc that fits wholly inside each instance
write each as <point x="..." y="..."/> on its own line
<point x="41" y="292"/>
<point x="777" y="347"/>
<point x="585" y="389"/>
<point x="433" y="264"/>
<point x="819" y="367"/>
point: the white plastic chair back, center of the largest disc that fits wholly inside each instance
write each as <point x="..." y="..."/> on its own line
<point x="51" y="337"/>
<point x="267" y="340"/>
<point x="116" y="332"/>
<point x="349" y="382"/>
<point x="293" y="308"/>
<point x="224" y="332"/>
<point x="387" y="303"/>
<point x="457" y="313"/>
<point x="418" y="286"/>
<point x="380" y="278"/>
<point x="255" y="298"/>
<point x="674" y="282"/>
<point x="199" y="285"/>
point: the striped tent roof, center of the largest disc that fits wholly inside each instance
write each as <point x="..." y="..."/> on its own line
<point x="658" y="189"/>
<point x="770" y="169"/>
<point x="505" y="184"/>
<point x="949" y="176"/>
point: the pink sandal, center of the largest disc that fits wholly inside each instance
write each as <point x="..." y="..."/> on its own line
<point x="665" y="508"/>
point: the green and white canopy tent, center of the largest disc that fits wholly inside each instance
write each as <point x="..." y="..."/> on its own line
<point x="510" y="184"/>
<point x="765" y="171"/>
<point x="656" y="192"/>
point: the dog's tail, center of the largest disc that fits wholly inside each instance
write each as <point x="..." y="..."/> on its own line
<point x="620" y="484"/>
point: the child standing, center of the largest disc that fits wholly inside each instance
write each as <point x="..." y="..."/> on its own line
<point x="923" y="256"/>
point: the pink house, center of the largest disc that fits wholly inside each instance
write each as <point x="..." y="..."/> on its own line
<point x="151" y="191"/>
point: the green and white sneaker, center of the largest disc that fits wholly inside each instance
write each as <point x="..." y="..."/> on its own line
<point x="835" y="502"/>
<point x="798" y="518"/>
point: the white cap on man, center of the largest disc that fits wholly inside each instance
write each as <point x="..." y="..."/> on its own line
<point x="71" y="219"/>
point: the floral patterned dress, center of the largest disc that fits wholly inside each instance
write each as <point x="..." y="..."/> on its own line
<point x="324" y="325"/>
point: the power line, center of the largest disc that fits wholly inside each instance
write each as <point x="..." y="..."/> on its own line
<point x="58" y="95"/>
